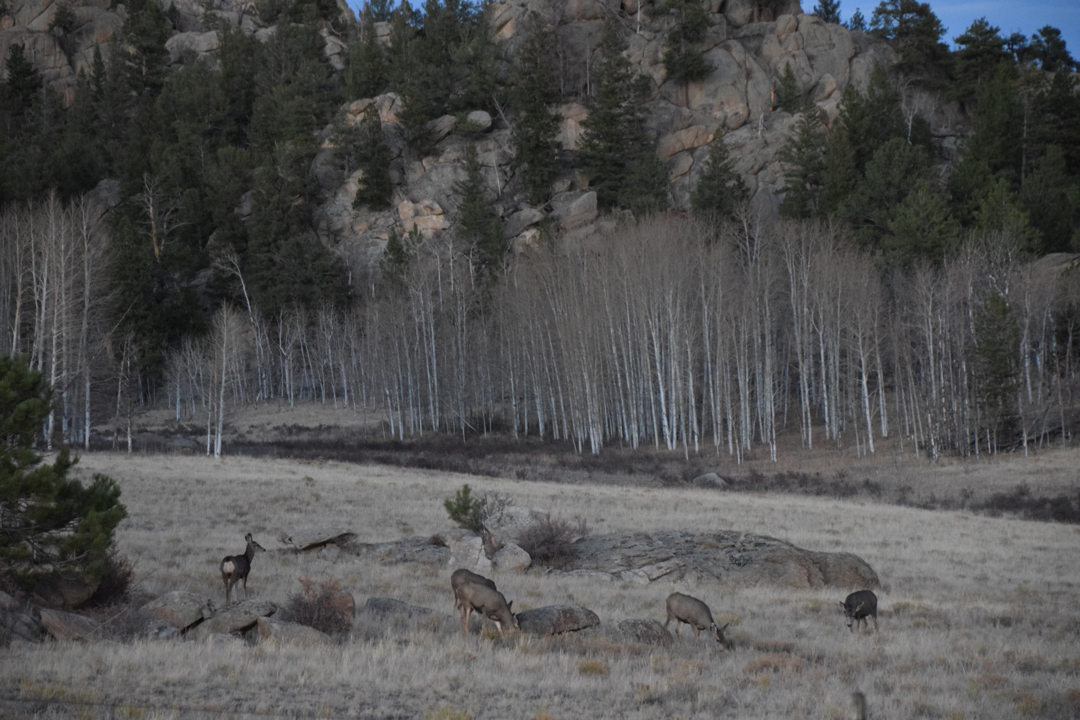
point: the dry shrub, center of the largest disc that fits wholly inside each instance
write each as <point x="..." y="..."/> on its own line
<point x="550" y="541"/>
<point x="647" y="693"/>
<point x="777" y="663"/>
<point x="320" y="606"/>
<point x="446" y="712"/>
<point x="597" y="668"/>
<point x="1028" y="704"/>
<point x="116" y="575"/>
<point x="1073" y="696"/>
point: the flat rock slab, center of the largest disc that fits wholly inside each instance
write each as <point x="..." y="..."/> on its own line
<point x="180" y="608"/>
<point x="314" y="538"/>
<point x="727" y="556"/>
<point x="381" y="613"/>
<point x="287" y="633"/>
<point x="235" y="618"/>
<point x="68" y="626"/>
<point x="416" y="549"/>
<point x="644" y="632"/>
<point x="557" y="619"/>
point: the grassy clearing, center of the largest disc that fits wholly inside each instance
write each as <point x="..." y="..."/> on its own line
<point x="979" y="616"/>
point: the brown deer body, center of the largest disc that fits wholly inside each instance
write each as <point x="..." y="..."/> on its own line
<point x="487" y="603"/>
<point x="462" y="576"/>
<point x="236" y="567"/>
<point x="685" y="609"/>
<point x="858" y="606"/>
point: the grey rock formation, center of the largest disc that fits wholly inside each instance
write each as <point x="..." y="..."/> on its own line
<point x="511" y="558"/>
<point x="288" y="633"/>
<point x="62" y="590"/>
<point x="726" y="556"/>
<point x="236" y="618"/>
<point x="68" y="626"/>
<point x="180" y="609"/>
<point x="556" y="620"/>
<point x="314" y="538"/>
<point x="416" y="549"/>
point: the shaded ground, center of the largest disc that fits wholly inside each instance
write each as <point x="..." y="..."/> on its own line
<point x="1043" y="484"/>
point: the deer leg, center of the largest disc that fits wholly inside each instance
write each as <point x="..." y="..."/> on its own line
<point x="465" y="612"/>
<point x="875" y="624"/>
<point x="697" y="631"/>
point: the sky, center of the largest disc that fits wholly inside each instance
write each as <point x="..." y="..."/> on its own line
<point x="1008" y="16"/>
<point x="956" y="16"/>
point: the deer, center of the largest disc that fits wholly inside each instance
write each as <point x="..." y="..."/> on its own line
<point x="236" y="567"/>
<point x="461" y="576"/>
<point x="858" y="606"/>
<point x="488" y="603"/>
<point x="685" y="609"/>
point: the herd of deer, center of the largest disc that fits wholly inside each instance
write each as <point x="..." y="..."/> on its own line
<point x="476" y="593"/>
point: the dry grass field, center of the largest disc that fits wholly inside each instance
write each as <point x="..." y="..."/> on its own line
<point x="979" y="615"/>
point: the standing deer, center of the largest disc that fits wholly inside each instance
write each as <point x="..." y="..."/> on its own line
<point x="462" y="576"/>
<point x="858" y="606"/>
<point x="685" y="609"/>
<point x="237" y="567"/>
<point x="488" y="603"/>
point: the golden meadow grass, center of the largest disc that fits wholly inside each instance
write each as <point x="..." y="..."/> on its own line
<point x="979" y="616"/>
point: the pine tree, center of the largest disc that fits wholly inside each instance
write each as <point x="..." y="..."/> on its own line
<point x="982" y="49"/>
<point x="373" y="156"/>
<point x="828" y="11"/>
<point x="720" y="190"/>
<point x="857" y="22"/>
<point x="47" y="522"/>
<point x="787" y="96"/>
<point x="535" y="125"/>
<point x="803" y="159"/>
<point x="1048" y="49"/>
<point x="614" y="149"/>
<point x="683" y="59"/>
<point x="916" y="32"/>
<point x="365" y="73"/>
<point x="480" y="227"/>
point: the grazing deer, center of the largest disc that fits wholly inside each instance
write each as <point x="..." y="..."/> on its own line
<point x="237" y="567"/>
<point x="488" y="603"/>
<point x="858" y="606"/>
<point x="685" y="609"/>
<point x="462" y="576"/>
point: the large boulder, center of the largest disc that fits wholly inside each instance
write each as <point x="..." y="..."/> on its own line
<point x="511" y="558"/>
<point x="644" y="632"/>
<point x="180" y="609"/>
<point x="314" y="538"/>
<point x="68" y="626"/>
<point x="16" y="625"/>
<point x="416" y="549"/>
<point x="556" y="620"/>
<point x="380" y="615"/>
<point x="63" y="590"/>
<point x="726" y="556"/>
<point x="236" y="618"/>
<point x="467" y="551"/>
<point x="287" y="633"/>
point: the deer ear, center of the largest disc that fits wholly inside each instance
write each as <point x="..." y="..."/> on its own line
<point x="725" y="627"/>
<point x="510" y="604"/>
<point x="842" y="604"/>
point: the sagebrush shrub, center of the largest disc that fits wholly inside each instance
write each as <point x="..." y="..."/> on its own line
<point x="320" y="606"/>
<point x="550" y="541"/>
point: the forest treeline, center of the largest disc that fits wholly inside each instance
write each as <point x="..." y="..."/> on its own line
<point x="890" y="298"/>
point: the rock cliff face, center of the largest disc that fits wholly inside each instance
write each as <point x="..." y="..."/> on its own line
<point x="748" y="47"/>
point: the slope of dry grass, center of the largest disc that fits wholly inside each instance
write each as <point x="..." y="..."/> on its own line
<point x="979" y="615"/>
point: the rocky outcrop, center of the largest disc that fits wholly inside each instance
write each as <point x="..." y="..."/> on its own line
<point x="236" y="618"/>
<point x="728" y="556"/>
<point x="314" y="538"/>
<point x="416" y="549"/>
<point x="644" y="632"/>
<point x="63" y="590"/>
<point x="68" y="626"/>
<point x="288" y="633"/>
<point x="16" y="625"/>
<point x="180" y="609"/>
<point x="467" y="551"/>
<point x="556" y="620"/>
<point x="511" y="558"/>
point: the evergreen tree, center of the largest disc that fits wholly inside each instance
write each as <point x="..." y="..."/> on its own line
<point x="1051" y="197"/>
<point x="1047" y="48"/>
<point x="787" y="96"/>
<point x="997" y="368"/>
<point x="803" y="159"/>
<point x="857" y="22"/>
<point x="365" y="73"/>
<point x="535" y="125"/>
<point x="480" y="227"/>
<point x="828" y="11"/>
<point x="916" y="32"/>
<point x="920" y="227"/>
<point x="614" y="149"/>
<point x="982" y="49"/>
<point x="720" y="189"/>
<point x="373" y="156"/>
<point x="683" y="59"/>
<point x="47" y="522"/>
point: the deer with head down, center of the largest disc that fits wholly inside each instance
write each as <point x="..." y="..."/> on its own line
<point x="235" y="568"/>
<point x="488" y="603"/>
<point x="858" y="606"/>
<point x="685" y="609"/>
<point x="461" y="576"/>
